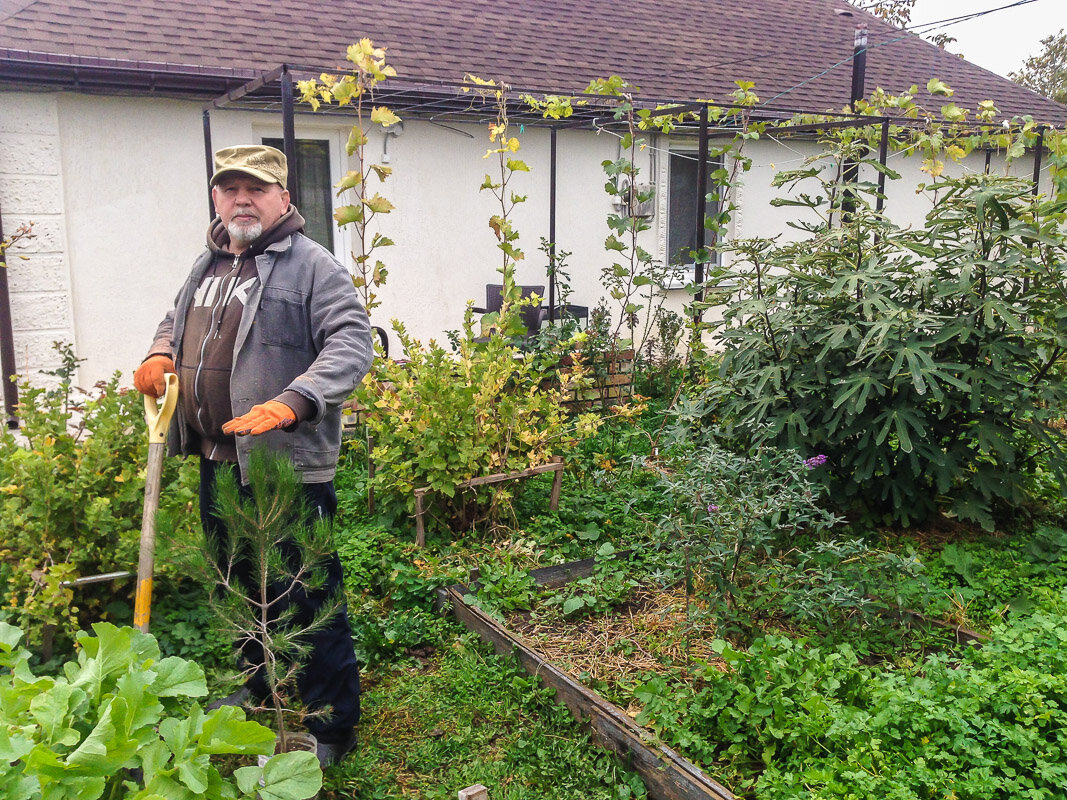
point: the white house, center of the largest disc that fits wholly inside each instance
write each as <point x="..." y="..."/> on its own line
<point x="102" y="137"/>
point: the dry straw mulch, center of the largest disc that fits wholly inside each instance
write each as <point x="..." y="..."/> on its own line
<point x="650" y="633"/>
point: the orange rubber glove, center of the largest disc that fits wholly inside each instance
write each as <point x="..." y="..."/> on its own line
<point x="262" y="418"/>
<point x="148" y="379"/>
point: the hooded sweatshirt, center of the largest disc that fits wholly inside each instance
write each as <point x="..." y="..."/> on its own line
<point x="206" y="356"/>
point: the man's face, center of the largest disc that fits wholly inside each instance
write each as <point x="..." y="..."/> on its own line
<point x="247" y="206"/>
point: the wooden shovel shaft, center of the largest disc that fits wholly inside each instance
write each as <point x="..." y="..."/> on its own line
<point x="142" y="606"/>
<point x="158" y="418"/>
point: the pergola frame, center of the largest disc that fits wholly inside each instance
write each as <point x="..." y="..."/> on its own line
<point x="434" y="100"/>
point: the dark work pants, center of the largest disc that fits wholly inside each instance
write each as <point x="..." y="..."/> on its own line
<point x="330" y="677"/>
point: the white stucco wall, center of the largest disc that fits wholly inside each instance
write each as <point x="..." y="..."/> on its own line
<point x="117" y="188"/>
<point x="31" y="190"/>
<point x="136" y="213"/>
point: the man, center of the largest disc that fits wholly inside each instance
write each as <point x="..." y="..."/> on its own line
<point x="268" y="338"/>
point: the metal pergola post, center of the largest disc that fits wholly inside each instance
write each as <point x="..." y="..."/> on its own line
<point x="1039" y="148"/>
<point x="209" y="159"/>
<point x="289" y="135"/>
<point x="552" y="227"/>
<point x="702" y="207"/>
<point x="883" y="157"/>
<point x="850" y="173"/>
<point x="7" y="347"/>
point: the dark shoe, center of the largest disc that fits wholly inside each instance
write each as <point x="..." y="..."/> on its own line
<point x="330" y="753"/>
<point x="239" y="698"/>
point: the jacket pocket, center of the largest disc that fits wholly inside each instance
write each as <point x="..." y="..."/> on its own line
<point x="282" y="319"/>
<point x="306" y="459"/>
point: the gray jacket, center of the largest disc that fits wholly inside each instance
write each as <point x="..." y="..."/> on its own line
<point x="303" y="329"/>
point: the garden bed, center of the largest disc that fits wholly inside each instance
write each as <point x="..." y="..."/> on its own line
<point x="645" y="660"/>
<point x="666" y="774"/>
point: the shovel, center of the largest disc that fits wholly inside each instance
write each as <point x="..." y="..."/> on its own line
<point x="158" y="419"/>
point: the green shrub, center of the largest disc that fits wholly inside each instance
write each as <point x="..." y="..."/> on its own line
<point x="72" y="493"/>
<point x="922" y="362"/>
<point x="439" y="420"/>
<point x="749" y="533"/>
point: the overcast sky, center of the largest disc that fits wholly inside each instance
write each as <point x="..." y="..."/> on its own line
<point x="1000" y="41"/>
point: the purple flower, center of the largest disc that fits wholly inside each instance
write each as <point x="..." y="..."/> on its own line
<point x="712" y="508"/>
<point x="815" y="461"/>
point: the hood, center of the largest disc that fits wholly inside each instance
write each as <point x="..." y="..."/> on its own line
<point x="218" y="238"/>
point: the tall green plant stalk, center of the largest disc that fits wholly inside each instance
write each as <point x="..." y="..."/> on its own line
<point x="503" y="147"/>
<point x="358" y="89"/>
<point x="636" y="280"/>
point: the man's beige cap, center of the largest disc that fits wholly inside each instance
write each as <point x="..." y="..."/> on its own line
<point x="258" y="160"/>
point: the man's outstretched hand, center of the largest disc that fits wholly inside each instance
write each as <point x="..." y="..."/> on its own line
<point x="148" y="379"/>
<point x="262" y="418"/>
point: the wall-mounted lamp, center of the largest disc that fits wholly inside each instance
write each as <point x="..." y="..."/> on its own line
<point x="393" y="130"/>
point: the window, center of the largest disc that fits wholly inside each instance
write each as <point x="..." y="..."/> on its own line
<point x="682" y="211"/>
<point x="316" y="192"/>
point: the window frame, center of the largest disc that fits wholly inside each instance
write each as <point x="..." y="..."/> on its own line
<point x="335" y="138"/>
<point x="682" y="275"/>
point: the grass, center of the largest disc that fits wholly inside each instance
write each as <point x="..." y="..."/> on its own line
<point x="462" y="716"/>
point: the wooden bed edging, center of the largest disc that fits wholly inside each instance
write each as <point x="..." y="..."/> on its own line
<point x="666" y="774"/>
<point x="556" y="465"/>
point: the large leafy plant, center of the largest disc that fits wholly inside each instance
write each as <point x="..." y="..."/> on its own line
<point x="922" y="362"/>
<point x="119" y="723"/>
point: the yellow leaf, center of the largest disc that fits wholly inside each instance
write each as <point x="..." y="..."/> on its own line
<point x="346" y="215"/>
<point x="933" y="166"/>
<point x="351" y="180"/>
<point x="356" y="139"/>
<point x="955" y="152"/>
<point x="378" y="204"/>
<point x="383" y="116"/>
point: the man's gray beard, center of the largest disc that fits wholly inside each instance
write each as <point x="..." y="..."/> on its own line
<point x="244" y="234"/>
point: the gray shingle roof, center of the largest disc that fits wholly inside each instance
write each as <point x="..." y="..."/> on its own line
<point x="672" y="49"/>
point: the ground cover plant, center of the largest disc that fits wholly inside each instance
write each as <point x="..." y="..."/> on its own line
<point x="789" y="718"/>
<point x="979" y="579"/>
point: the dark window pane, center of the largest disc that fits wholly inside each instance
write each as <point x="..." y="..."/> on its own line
<point x="682" y="206"/>
<point x="316" y="193"/>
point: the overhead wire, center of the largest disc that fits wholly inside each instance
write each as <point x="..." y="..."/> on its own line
<point x="927" y="27"/>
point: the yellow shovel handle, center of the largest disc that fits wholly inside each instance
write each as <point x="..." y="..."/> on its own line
<point x="158" y="415"/>
<point x="158" y="418"/>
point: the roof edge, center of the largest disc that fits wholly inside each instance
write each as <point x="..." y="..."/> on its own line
<point x="94" y="74"/>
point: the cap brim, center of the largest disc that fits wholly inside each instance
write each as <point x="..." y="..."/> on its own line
<point x="266" y="177"/>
